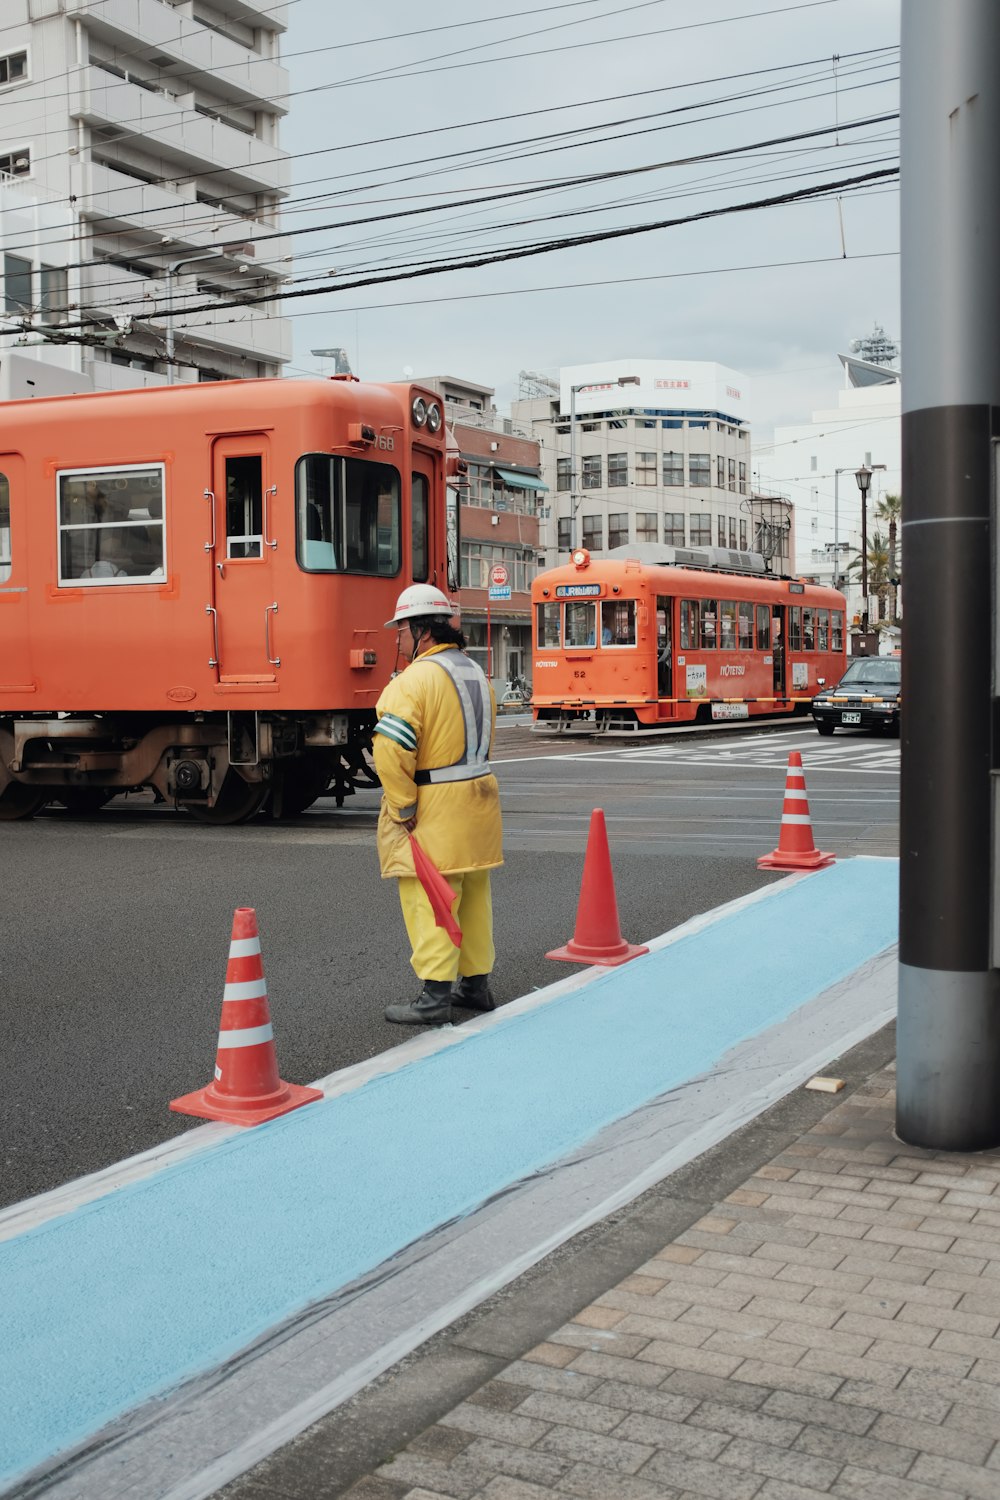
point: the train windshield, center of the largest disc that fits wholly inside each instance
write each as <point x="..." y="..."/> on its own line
<point x="581" y="624"/>
<point x="347" y="515"/>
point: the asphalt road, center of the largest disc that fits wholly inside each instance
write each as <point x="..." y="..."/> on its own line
<point x="115" y="929"/>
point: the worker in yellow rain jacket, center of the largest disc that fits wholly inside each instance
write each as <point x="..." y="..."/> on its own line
<point x="431" y="747"/>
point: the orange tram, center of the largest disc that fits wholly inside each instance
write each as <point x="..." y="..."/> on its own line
<point x="650" y="636"/>
<point x="194" y="582"/>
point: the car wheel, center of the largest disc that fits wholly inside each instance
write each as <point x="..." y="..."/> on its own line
<point x="824" y="728"/>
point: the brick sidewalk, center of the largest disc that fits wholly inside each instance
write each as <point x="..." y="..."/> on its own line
<point x="830" y="1328"/>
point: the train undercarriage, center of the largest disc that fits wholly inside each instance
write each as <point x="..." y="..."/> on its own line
<point x="221" y="768"/>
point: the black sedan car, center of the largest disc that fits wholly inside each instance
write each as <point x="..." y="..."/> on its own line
<point x="866" y="697"/>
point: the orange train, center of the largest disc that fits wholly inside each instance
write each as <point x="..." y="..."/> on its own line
<point x="651" y="636"/>
<point x="194" y="582"/>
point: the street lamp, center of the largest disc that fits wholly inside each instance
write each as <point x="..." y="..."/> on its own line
<point x="864" y="478"/>
<point x="573" y="502"/>
<point x="171" y="269"/>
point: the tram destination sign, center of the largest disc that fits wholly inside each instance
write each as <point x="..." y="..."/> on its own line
<point x="577" y="590"/>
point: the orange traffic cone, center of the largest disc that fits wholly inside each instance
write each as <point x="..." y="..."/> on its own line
<point x="246" y="1088"/>
<point x="796" y="850"/>
<point x="597" y="938"/>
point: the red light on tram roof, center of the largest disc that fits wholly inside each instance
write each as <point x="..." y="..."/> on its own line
<point x="580" y="557"/>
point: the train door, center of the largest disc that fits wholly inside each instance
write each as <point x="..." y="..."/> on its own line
<point x="15" y="664"/>
<point x="664" y="648"/>
<point x="779" y="641"/>
<point x="245" y="608"/>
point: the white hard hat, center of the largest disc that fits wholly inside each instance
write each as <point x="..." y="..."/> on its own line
<point x="420" y="600"/>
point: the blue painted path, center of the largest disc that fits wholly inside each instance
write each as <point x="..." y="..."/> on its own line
<point x="131" y="1294"/>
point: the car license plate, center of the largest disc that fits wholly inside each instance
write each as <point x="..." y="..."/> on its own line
<point x="850" y="716"/>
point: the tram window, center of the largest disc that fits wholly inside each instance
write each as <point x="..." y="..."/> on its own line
<point x="746" y="626"/>
<point x="709" y="619"/>
<point x="111" y="526"/>
<point x="689" y="624"/>
<point x="548" y="624"/>
<point x="418" y="528"/>
<point x="795" y="628"/>
<point x="5" y="552"/>
<point x="618" y="622"/>
<point x="581" y="624"/>
<point x="244" y="507"/>
<point x="822" y="629"/>
<point x="808" y="630"/>
<point x="727" y="622"/>
<point x="763" y="628"/>
<point x="836" y="630"/>
<point x="347" y="515"/>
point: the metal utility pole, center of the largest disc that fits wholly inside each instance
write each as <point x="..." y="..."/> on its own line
<point x="948" y="1045"/>
<point x="573" y="501"/>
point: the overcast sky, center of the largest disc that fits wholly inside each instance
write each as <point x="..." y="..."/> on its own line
<point x="616" y="83"/>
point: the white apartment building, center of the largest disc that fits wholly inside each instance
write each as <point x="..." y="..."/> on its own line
<point x="815" y="463"/>
<point x="643" y="450"/>
<point x="140" y="171"/>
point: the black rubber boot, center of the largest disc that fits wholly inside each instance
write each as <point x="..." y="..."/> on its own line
<point x="473" y="992"/>
<point x="432" y="1007"/>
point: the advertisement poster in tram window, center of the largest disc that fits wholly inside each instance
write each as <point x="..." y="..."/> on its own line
<point x="697" y="681"/>
<point x="800" y="674"/>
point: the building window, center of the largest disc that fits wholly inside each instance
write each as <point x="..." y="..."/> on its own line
<point x="732" y="474"/>
<point x="720" y="472"/>
<point x="701" y="530"/>
<point x="618" y="529"/>
<point x="645" y="468"/>
<point x="645" y="422"/>
<point x="479" y="556"/>
<point x="591" y="476"/>
<point x="55" y="292"/>
<point x="673" y="468"/>
<point x="593" y="533"/>
<point x="721" y="533"/>
<point x="743" y="479"/>
<point x="111" y="526"/>
<point x="5" y="552"/>
<point x="563" y="478"/>
<point x="699" y="470"/>
<point x="672" y="422"/>
<point x="646" y="526"/>
<point x="617" y="470"/>
<point x="732" y="532"/>
<point x="565" y="539"/>
<point x="743" y="536"/>
<point x="673" y="528"/>
<point x="13" y="67"/>
<point x="15" y="163"/>
<point x="16" y="284"/>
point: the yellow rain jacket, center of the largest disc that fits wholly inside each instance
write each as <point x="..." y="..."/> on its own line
<point x="458" y="822"/>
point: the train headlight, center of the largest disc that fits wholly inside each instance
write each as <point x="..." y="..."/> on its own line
<point x="579" y="557"/>
<point x="419" y="411"/>
<point x="433" y="417"/>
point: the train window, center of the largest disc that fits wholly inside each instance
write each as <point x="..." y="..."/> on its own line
<point x="618" y="622"/>
<point x="5" y="552"/>
<point x="836" y="630"/>
<point x="581" y="624"/>
<point x="418" y="528"/>
<point x="746" y="626"/>
<point x="763" y="628"/>
<point x="809" y="629"/>
<point x="822" y="629"/>
<point x="727" y="622"/>
<point x="111" y="526"/>
<point x="348" y="515"/>
<point x="795" y="628"/>
<point x="244" y="507"/>
<point x="689" y="625"/>
<point x="548" y="624"/>
<point x="709" y="621"/>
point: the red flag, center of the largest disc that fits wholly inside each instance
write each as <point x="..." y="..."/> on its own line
<point x="439" y="892"/>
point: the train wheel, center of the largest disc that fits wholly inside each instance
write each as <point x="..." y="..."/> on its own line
<point x="20" y="801"/>
<point x="237" y="801"/>
<point x="299" y="783"/>
<point x="82" y="800"/>
<point x="354" y="769"/>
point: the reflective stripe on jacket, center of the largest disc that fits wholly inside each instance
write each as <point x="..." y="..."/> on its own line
<point x="474" y="695"/>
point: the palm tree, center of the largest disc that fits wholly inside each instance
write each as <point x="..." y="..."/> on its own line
<point x="890" y="509"/>
<point x="878" y="569"/>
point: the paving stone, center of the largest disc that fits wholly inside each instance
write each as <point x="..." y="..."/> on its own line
<point x="549" y="1354"/>
<point x="851" y="1368"/>
<point x="934" y="1260"/>
<point x="839" y="1228"/>
<point x="780" y="1463"/>
<point x="544" y="1378"/>
<point x="947" y="1474"/>
<point x="850" y="1447"/>
<point x="505" y="1488"/>
<point x="737" y="1284"/>
<point x="681" y="1274"/>
<point x="759" y="1426"/>
<point x="591" y="1448"/>
<point x="801" y="1311"/>
<point x="746" y="1346"/>
<point x="868" y="1202"/>
<point x="836" y="1279"/>
<point x="917" y="1357"/>
<point x="967" y="1344"/>
<point x="598" y="1317"/>
<point x="672" y="1437"/>
<point x="862" y="1303"/>
<point x="607" y="1367"/>
<point x="674" y="1330"/>
<point x="800" y="1377"/>
<point x="372" y="1488"/>
<point x="668" y="1404"/>
<point x="971" y="1393"/>
<point x="599" y="1340"/>
<point x="884" y="1262"/>
<point x="521" y="1463"/>
<point x="980" y="1326"/>
<point x="887" y="1329"/>
<point x="671" y="1302"/>
<point x="870" y="1395"/>
<point x="701" y="1477"/>
<point x="498" y="1395"/>
<point x="588" y="1415"/>
<point x="863" y="1484"/>
<point x="928" y="1295"/>
<point x="839" y="1339"/>
<point x="588" y="1483"/>
<point x="676" y="1253"/>
<point x="740" y="1265"/>
<point x="817" y="1254"/>
<point x="975" y="1419"/>
<point x="643" y="1286"/>
<point x="930" y="1437"/>
<point x="506" y="1427"/>
<point x="806" y="1410"/>
<point x="431" y="1474"/>
<point x="734" y="1392"/>
<point x="683" y="1357"/>
<point x="440" y="1442"/>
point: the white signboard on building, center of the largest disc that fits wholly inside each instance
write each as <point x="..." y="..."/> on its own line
<point x="655" y="385"/>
